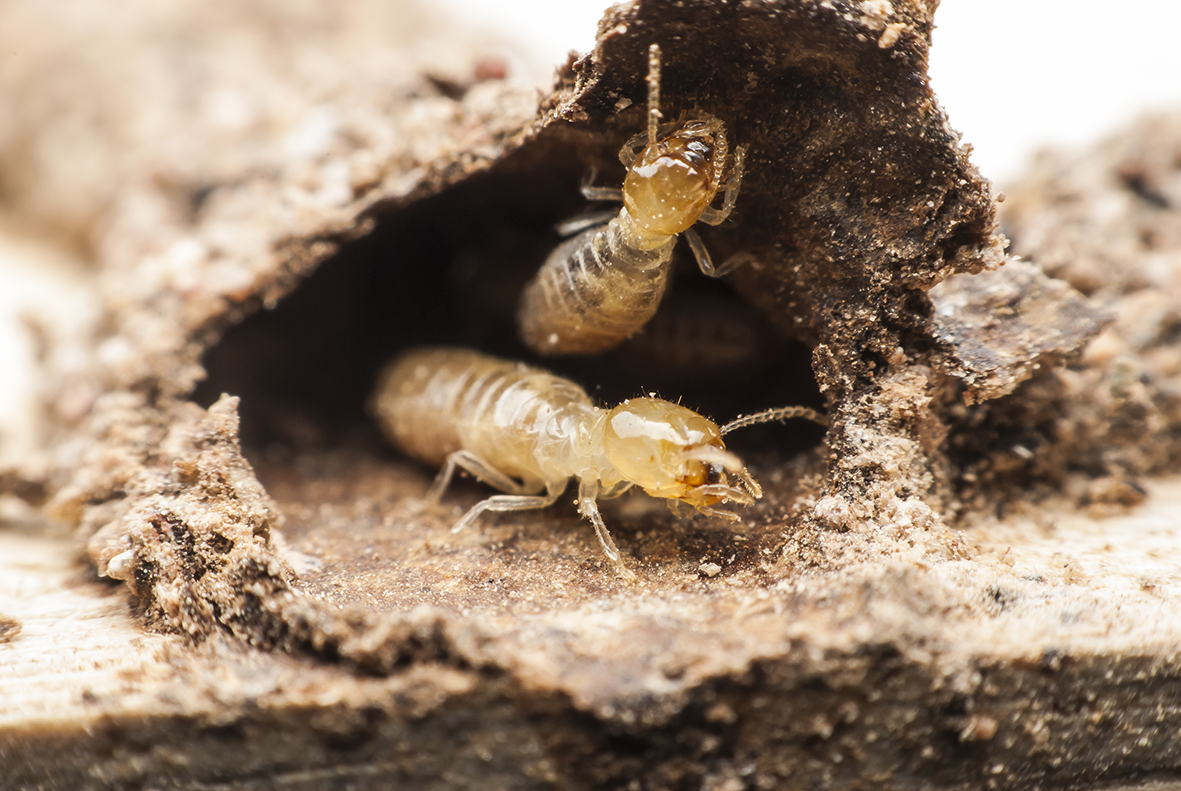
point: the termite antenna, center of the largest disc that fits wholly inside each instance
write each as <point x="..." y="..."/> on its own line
<point x="653" y="91"/>
<point x="779" y="413"/>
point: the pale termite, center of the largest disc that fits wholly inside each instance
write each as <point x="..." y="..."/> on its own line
<point x="601" y="286"/>
<point x="527" y="432"/>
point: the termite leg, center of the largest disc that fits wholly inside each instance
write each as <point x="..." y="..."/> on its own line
<point x="615" y="491"/>
<point x="591" y="192"/>
<point x="734" y="177"/>
<point x="602" y="193"/>
<point x="479" y="468"/>
<point x="588" y="490"/>
<point x="712" y="216"/>
<point x="631" y="149"/>
<point x="506" y="502"/>
<point x="583" y="221"/>
<point x="721" y="149"/>
<point x="719" y="514"/>
<point x="704" y="262"/>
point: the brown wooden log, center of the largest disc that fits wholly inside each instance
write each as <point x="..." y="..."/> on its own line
<point x="918" y="601"/>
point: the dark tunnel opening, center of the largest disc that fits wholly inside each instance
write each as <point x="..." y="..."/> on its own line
<point x="447" y="270"/>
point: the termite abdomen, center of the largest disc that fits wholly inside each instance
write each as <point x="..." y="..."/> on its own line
<point x="592" y="292"/>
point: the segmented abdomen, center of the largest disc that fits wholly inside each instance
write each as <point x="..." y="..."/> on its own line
<point x="594" y="291"/>
<point x="432" y="402"/>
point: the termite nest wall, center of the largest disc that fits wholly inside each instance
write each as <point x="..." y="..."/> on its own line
<point x="1104" y="221"/>
<point x="289" y="290"/>
<point x="1064" y="382"/>
<point x="846" y="216"/>
<point x="448" y="271"/>
<point x="857" y="199"/>
<point x="843" y="632"/>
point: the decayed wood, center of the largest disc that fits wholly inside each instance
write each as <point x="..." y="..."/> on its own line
<point x="72" y="642"/>
<point x="330" y="631"/>
<point x="88" y="699"/>
<point x="1044" y="682"/>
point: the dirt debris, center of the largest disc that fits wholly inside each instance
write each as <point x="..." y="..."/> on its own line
<point x="1107" y="222"/>
<point x="843" y="631"/>
<point x="1008" y="324"/>
<point x="842" y="269"/>
<point x="9" y="628"/>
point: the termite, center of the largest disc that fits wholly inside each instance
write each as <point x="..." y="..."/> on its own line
<point x="601" y="286"/>
<point x="527" y="432"/>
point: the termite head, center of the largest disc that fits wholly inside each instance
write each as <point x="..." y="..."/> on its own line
<point x="673" y="452"/>
<point x="674" y="179"/>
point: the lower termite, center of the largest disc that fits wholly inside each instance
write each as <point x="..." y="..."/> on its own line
<point x="601" y="286"/>
<point x="527" y="432"/>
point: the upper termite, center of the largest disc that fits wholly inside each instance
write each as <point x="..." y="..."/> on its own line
<point x="601" y="286"/>
<point x="528" y="432"/>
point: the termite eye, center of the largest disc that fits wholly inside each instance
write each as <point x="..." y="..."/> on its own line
<point x="696" y="156"/>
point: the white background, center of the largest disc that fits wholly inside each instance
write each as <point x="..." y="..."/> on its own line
<point x="1012" y="74"/>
